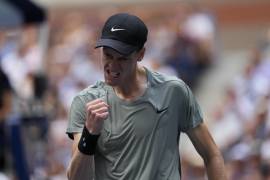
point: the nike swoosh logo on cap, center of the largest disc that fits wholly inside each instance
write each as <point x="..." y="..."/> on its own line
<point x="116" y="29"/>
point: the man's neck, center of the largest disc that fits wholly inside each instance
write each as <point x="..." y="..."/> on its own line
<point x="135" y="87"/>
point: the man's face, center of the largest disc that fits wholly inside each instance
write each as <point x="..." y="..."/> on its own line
<point x="119" y="69"/>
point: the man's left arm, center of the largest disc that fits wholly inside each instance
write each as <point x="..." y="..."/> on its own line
<point x="208" y="150"/>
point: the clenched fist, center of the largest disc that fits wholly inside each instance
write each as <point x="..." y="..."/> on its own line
<point x="96" y="113"/>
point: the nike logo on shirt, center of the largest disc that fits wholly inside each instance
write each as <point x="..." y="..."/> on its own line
<point x="161" y="110"/>
<point x="116" y="29"/>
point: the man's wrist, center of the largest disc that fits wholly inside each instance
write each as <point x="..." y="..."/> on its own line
<point x="88" y="142"/>
<point x="91" y="130"/>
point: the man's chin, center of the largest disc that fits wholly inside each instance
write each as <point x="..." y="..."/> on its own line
<point x="110" y="83"/>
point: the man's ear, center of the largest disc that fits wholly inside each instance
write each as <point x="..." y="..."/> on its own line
<point x="141" y="54"/>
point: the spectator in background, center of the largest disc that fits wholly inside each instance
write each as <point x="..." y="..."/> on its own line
<point x="194" y="47"/>
<point x="5" y="109"/>
<point x="23" y="63"/>
<point x="200" y="28"/>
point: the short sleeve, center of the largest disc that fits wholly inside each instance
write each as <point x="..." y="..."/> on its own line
<point x="76" y="118"/>
<point x="192" y="112"/>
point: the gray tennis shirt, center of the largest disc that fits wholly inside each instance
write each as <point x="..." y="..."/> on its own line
<point x="140" y="138"/>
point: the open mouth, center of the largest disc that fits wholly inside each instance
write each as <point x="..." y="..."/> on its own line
<point x="113" y="74"/>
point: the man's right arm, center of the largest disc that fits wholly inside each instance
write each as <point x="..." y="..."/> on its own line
<point x="81" y="166"/>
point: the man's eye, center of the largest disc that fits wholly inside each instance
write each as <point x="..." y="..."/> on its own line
<point x="108" y="56"/>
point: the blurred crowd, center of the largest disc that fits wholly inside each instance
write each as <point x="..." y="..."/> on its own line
<point x="44" y="78"/>
<point x="242" y="122"/>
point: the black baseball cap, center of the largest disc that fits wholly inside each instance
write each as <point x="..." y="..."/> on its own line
<point x="124" y="33"/>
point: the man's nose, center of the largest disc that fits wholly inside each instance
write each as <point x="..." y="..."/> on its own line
<point x="113" y="63"/>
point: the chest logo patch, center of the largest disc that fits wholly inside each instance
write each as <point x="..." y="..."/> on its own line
<point x="161" y="110"/>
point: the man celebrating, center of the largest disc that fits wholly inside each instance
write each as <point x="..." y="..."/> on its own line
<point x="129" y="126"/>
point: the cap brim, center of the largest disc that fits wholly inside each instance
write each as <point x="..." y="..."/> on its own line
<point x="120" y="47"/>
